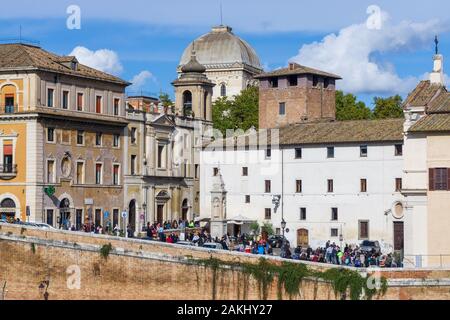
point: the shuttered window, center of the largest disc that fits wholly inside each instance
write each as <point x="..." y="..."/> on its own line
<point x="80" y="102"/>
<point x="439" y="179"/>
<point x="268" y="214"/>
<point x="363" y="229"/>
<point x="116" y="174"/>
<point x="98" y="104"/>
<point x="7" y="148"/>
<point x="98" y="173"/>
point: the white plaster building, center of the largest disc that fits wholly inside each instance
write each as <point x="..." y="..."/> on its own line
<point x="427" y="172"/>
<point x="334" y="178"/>
<point x="230" y="62"/>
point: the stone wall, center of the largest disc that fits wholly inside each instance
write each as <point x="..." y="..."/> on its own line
<point x="138" y="269"/>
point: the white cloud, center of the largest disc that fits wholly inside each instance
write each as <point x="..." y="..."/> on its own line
<point x="141" y="79"/>
<point x="103" y="59"/>
<point x="350" y="54"/>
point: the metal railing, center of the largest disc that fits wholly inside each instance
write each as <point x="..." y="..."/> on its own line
<point x="426" y="260"/>
<point x="9" y="109"/>
<point x="8" y="168"/>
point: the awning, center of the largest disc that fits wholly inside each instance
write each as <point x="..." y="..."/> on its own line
<point x="202" y="219"/>
<point x="240" y="220"/>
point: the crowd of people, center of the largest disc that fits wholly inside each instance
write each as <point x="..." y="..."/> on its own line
<point x="348" y="256"/>
<point x="331" y="253"/>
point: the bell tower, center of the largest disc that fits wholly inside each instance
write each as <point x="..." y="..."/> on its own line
<point x="193" y="92"/>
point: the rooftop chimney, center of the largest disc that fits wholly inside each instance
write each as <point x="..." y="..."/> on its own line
<point x="293" y="65"/>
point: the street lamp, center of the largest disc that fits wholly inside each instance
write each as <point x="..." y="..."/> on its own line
<point x="283" y="226"/>
<point x="144" y="206"/>
<point x="283" y="246"/>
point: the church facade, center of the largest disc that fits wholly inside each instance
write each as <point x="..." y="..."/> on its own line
<point x="230" y="62"/>
<point x="162" y="166"/>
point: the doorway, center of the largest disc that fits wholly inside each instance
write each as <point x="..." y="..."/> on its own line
<point x="398" y="236"/>
<point x="98" y="217"/>
<point x="64" y="214"/>
<point x="132" y="215"/>
<point x="302" y="237"/>
<point x="237" y="230"/>
<point x="160" y="213"/>
<point x="184" y="210"/>
<point x="79" y="219"/>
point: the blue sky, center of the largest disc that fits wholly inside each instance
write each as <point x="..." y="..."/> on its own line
<point x="150" y="36"/>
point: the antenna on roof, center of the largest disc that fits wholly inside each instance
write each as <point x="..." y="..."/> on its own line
<point x="20" y="39"/>
<point x="221" y="14"/>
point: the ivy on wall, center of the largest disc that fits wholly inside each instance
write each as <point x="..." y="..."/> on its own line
<point x="290" y="277"/>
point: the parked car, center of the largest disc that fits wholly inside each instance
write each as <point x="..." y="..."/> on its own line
<point x="213" y="245"/>
<point x="185" y="243"/>
<point x="368" y="246"/>
<point x="44" y="226"/>
<point x="276" y="241"/>
<point x="32" y="224"/>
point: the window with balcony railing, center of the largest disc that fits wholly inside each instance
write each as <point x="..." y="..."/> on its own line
<point x="8" y="169"/>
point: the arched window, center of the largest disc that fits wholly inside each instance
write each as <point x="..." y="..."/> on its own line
<point x="223" y="90"/>
<point x="8" y="211"/>
<point x="187" y="103"/>
<point x="8" y="203"/>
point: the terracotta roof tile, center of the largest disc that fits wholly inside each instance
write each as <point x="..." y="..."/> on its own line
<point x="438" y="122"/>
<point x="23" y="56"/>
<point x="355" y="131"/>
<point x="297" y="69"/>
<point x="343" y="131"/>
<point x="423" y="94"/>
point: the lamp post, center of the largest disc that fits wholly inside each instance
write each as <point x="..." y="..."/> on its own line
<point x="144" y="206"/>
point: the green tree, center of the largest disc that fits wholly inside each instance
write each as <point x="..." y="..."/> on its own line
<point x="347" y="108"/>
<point x="221" y="114"/>
<point x="166" y="101"/>
<point x="238" y="113"/>
<point x="267" y="227"/>
<point x="390" y="107"/>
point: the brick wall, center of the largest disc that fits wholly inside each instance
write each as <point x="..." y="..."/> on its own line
<point x="137" y="269"/>
<point x="301" y="103"/>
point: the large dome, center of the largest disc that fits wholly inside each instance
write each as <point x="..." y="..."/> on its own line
<point x="221" y="48"/>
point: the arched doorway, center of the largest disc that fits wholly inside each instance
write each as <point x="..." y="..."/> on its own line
<point x="8" y="209"/>
<point x="64" y="214"/>
<point x="132" y="215"/>
<point x="184" y="209"/>
<point x="302" y="237"/>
